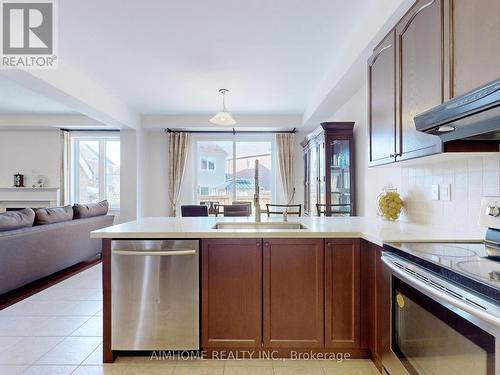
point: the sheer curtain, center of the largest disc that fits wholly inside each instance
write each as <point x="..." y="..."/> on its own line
<point x="65" y="187"/>
<point x="178" y="150"/>
<point x="284" y="143"/>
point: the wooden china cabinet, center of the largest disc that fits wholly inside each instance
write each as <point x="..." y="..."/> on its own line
<point x="329" y="174"/>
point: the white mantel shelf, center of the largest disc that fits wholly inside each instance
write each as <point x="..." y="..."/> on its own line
<point x="20" y="197"/>
<point x="12" y="188"/>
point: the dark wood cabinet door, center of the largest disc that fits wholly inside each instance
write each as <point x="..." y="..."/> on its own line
<point x="293" y="293"/>
<point x="382" y="102"/>
<point x="380" y="315"/>
<point x="342" y="293"/>
<point x="420" y="65"/>
<point x="231" y="293"/>
<point x="474" y="35"/>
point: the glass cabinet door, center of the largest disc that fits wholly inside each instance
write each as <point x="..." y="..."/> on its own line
<point x="340" y="177"/>
<point x="313" y="179"/>
<point x="321" y="176"/>
<point x="306" y="181"/>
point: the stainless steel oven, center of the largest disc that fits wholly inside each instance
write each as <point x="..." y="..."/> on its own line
<point x="438" y="327"/>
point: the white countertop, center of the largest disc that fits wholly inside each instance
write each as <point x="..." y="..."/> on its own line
<point x="373" y="230"/>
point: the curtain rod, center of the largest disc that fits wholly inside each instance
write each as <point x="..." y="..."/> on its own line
<point x="91" y="130"/>
<point x="233" y="131"/>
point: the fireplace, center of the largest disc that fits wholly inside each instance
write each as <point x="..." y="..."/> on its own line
<point x="18" y="198"/>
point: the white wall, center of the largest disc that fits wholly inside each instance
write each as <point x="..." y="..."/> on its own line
<point x="131" y="175"/>
<point x="30" y="153"/>
<point x="155" y="172"/>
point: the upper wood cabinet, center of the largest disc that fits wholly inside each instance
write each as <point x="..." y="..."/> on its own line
<point x="293" y="293"/>
<point x="473" y="33"/>
<point x="382" y="102"/>
<point x="342" y="293"/>
<point x="231" y="293"/>
<point x="438" y="50"/>
<point x="420" y="72"/>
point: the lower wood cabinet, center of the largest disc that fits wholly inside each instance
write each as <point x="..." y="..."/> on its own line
<point x="342" y="293"/>
<point x="293" y="293"/>
<point x="382" y="306"/>
<point x="231" y="274"/>
<point x="376" y="309"/>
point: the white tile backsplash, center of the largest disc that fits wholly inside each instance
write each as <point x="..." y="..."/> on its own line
<point x="470" y="179"/>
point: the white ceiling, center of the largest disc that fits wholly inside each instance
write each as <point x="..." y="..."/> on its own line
<point x="160" y="63"/>
<point x="18" y="100"/>
<point x="171" y="56"/>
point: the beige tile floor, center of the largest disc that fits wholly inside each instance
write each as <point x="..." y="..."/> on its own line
<point x="59" y="331"/>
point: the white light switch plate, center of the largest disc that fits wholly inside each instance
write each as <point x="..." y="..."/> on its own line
<point x="435" y="192"/>
<point x="445" y="192"/>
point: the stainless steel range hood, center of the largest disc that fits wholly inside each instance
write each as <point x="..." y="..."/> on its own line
<point x="472" y="116"/>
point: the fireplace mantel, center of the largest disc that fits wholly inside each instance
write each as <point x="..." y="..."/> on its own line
<point x="12" y="197"/>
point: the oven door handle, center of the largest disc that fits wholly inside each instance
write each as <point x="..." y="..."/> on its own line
<point x="434" y="292"/>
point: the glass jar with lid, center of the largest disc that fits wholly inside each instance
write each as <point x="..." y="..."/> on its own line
<point x="389" y="203"/>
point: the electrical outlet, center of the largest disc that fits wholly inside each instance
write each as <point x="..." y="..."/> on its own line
<point x="445" y="192"/>
<point x="435" y="192"/>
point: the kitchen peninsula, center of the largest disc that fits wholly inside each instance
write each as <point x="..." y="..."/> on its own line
<point x="312" y="284"/>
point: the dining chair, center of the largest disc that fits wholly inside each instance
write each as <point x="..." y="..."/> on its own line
<point x="333" y="209"/>
<point x="278" y="209"/>
<point x="194" y="210"/>
<point x="233" y="210"/>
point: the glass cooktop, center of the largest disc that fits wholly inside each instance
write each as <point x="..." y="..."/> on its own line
<point x="467" y="259"/>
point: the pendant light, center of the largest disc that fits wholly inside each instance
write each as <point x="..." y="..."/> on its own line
<point x="223" y="117"/>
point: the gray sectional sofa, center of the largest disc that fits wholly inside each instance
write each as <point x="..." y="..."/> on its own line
<point x="29" y="253"/>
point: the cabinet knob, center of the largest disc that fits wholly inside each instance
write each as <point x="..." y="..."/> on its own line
<point x="329" y="244"/>
<point x="266" y="244"/>
<point x="257" y="243"/>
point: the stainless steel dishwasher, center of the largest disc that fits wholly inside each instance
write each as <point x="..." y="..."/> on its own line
<point x="155" y="295"/>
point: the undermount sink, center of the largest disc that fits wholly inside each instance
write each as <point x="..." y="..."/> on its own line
<point x="273" y="225"/>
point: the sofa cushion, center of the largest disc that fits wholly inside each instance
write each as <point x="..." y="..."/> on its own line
<point x="53" y="215"/>
<point x="90" y="210"/>
<point x="11" y="220"/>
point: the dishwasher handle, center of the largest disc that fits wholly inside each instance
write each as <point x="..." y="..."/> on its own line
<point x="154" y="252"/>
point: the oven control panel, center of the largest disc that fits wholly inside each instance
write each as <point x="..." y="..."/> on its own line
<point x="489" y="216"/>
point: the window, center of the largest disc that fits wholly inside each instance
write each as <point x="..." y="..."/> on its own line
<point x="95" y="169"/>
<point x="227" y="169"/>
<point x="207" y="163"/>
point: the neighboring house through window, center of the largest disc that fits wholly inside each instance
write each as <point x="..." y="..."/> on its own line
<point x="207" y="163"/>
<point x="226" y="168"/>
<point x="95" y="168"/>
